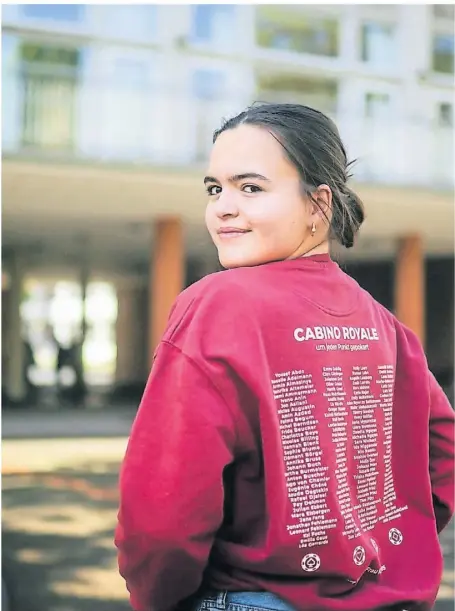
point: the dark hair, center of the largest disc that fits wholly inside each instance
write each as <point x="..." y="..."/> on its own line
<point x="313" y="144"/>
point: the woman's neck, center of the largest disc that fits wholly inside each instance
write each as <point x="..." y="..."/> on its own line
<point x="319" y="249"/>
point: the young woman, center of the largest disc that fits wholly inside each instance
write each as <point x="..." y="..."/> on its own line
<point x="292" y="449"/>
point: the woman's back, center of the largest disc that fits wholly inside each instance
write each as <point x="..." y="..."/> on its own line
<point x="318" y="394"/>
<point x="291" y="440"/>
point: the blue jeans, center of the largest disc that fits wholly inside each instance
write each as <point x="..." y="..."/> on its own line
<point x="242" y="601"/>
<point x="247" y="601"/>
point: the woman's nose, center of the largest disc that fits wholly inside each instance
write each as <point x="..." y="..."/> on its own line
<point x="226" y="205"/>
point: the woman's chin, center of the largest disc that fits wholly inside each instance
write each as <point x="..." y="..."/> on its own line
<point x="230" y="263"/>
<point x="232" y="260"/>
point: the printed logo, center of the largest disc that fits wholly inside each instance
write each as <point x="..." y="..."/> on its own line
<point x="395" y="536"/>
<point x="359" y="555"/>
<point x="311" y="563"/>
<point x="375" y="546"/>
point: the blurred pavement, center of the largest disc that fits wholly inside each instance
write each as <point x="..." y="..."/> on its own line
<point x="30" y="423"/>
<point x="59" y="511"/>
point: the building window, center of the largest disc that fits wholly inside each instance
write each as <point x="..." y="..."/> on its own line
<point x="377" y="105"/>
<point x="445" y="115"/>
<point x="443" y="52"/>
<point x="319" y="93"/>
<point x="54" y="12"/>
<point x="213" y="23"/>
<point x="378" y="43"/>
<point x="50" y="79"/>
<point x="292" y="30"/>
<point x="44" y="56"/>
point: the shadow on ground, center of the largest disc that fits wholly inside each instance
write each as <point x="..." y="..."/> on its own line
<point x="58" y="551"/>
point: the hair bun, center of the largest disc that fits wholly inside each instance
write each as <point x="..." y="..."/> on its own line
<point x="353" y="218"/>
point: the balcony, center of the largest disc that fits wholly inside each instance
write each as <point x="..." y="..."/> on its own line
<point x="399" y="152"/>
<point x="55" y="115"/>
<point x="52" y="116"/>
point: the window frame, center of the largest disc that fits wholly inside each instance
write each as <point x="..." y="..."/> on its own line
<point x="292" y="19"/>
<point x="363" y="41"/>
<point x="434" y="68"/>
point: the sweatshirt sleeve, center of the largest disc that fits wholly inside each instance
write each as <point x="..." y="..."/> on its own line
<point x="442" y="447"/>
<point x="171" y="483"/>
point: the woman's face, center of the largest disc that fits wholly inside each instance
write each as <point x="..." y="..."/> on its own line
<point x="256" y="211"/>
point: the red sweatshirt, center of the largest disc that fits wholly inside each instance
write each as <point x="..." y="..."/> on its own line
<point x="290" y="439"/>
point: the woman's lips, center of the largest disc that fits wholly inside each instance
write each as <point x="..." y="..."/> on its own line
<point x="231" y="232"/>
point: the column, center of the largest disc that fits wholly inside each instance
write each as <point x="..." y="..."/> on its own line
<point x="246" y="25"/>
<point x="166" y="276"/>
<point x="132" y="303"/>
<point x="15" y="382"/>
<point x="414" y="108"/>
<point x="350" y="93"/>
<point x="410" y="284"/>
<point x="415" y="28"/>
<point x="350" y="35"/>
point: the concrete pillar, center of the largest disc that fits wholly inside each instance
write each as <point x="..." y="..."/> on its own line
<point x="167" y="276"/>
<point x="131" y="336"/>
<point x="415" y="28"/>
<point x="349" y="48"/>
<point x="15" y="383"/>
<point x="413" y="136"/>
<point x="410" y="284"/>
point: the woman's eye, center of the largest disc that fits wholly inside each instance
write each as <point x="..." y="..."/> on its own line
<point x="213" y="189"/>
<point x="251" y="189"/>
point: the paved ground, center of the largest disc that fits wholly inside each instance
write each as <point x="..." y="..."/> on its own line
<point x="58" y="522"/>
<point x="59" y="511"/>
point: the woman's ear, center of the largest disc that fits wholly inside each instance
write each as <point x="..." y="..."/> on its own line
<point x="321" y="203"/>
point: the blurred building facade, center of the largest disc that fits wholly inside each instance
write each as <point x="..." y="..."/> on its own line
<point x="108" y="113"/>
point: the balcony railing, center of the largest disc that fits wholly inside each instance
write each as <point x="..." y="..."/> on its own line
<point x="50" y="115"/>
<point x="399" y="151"/>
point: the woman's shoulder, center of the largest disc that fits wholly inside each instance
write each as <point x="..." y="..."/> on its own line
<point x="217" y="297"/>
<point x="227" y="284"/>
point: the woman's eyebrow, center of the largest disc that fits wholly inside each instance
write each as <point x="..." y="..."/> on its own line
<point x="210" y="179"/>
<point x="238" y="177"/>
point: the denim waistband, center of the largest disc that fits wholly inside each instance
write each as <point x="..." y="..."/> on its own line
<point x="220" y="601"/>
<point x="263" y="600"/>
